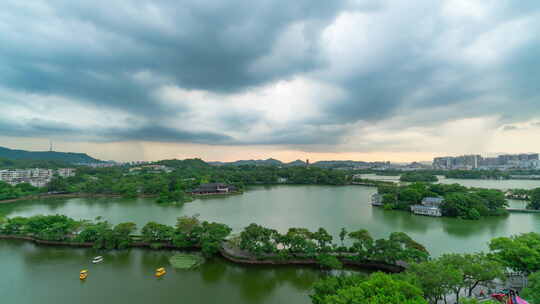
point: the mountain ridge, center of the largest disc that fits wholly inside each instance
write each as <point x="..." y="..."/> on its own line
<point x="68" y="157"/>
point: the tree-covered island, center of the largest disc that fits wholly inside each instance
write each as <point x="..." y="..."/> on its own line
<point x="457" y="200"/>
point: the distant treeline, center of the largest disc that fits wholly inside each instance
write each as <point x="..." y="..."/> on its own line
<point x="477" y="174"/>
<point x="418" y="176"/>
<point x="461" y="174"/>
<point x="174" y="187"/>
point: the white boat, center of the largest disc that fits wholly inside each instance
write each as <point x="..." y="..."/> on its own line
<point x="97" y="259"/>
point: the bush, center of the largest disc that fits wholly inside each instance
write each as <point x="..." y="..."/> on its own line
<point x="473" y="214"/>
<point x="329" y="261"/>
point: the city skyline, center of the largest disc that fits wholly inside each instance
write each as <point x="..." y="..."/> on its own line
<point x="361" y="80"/>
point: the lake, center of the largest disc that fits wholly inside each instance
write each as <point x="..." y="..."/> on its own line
<point x="50" y="275"/>
<point x="477" y="183"/>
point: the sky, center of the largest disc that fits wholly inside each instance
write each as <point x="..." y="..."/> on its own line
<point x="225" y="80"/>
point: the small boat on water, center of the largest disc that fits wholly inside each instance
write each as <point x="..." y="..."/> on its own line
<point x="160" y="272"/>
<point x="97" y="259"/>
<point x="83" y="275"/>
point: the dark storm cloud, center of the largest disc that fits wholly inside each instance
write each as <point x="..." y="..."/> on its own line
<point x="36" y="127"/>
<point x="39" y="128"/>
<point x="118" y="54"/>
<point x="164" y="134"/>
<point x="93" y="53"/>
<point x="94" y="50"/>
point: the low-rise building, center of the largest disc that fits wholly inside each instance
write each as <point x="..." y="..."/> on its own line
<point x="37" y="177"/>
<point x="377" y="199"/>
<point x="66" y="172"/>
<point x="214" y="188"/>
<point x="431" y="206"/>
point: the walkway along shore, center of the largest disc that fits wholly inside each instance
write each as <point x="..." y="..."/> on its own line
<point x="234" y="255"/>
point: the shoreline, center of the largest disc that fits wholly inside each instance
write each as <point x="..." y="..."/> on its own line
<point x="63" y="195"/>
<point x="226" y="253"/>
<point x="99" y="195"/>
<point x="246" y="259"/>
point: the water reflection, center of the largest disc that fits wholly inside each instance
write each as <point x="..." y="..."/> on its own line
<point x="213" y="270"/>
<point x="282" y="207"/>
<point x="259" y="282"/>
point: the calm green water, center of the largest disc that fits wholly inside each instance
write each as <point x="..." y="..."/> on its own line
<point x="32" y="274"/>
<point x="49" y="275"/>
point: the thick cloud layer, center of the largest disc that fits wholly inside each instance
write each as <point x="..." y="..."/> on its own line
<point x="355" y="75"/>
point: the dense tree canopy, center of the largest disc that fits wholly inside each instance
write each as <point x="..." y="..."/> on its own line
<point x="418" y="176"/>
<point x="535" y="199"/>
<point x="379" y="288"/>
<point x="459" y="201"/>
<point x="8" y="191"/>
<point x="520" y="253"/>
<point x="300" y="242"/>
<point x="174" y="185"/>
<point x="532" y="292"/>
<point x="435" y="278"/>
<point x="331" y="284"/>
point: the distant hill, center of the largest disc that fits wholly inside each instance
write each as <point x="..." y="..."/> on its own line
<point x="251" y="162"/>
<point x="67" y="157"/>
<point x="339" y="163"/>
<point x="185" y="163"/>
<point x="296" y="163"/>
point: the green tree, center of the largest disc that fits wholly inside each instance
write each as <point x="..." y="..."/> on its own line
<point x="535" y="199"/>
<point x="212" y="235"/>
<point x="435" y="278"/>
<point x="455" y="262"/>
<point x="410" y="249"/>
<point x="418" y="177"/>
<point x="328" y="261"/>
<point x="363" y="244"/>
<point x="532" y="292"/>
<point x="155" y="232"/>
<point x="379" y="288"/>
<point x="258" y="240"/>
<point x="14" y="225"/>
<point x="492" y="199"/>
<point x="410" y="195"/>
<point x="520" y="253"/>
<point x="478" y="268"/>
<point x="298" y="241"/>
<point x="331" y="284"/>
<point x="323" y="239"/>
<point x="122" y="234"/>
<point x="342" y="235"/>
<point x="58" y="184"/>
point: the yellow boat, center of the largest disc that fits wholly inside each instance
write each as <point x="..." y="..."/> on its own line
<point x="160" y="272"/>
<point x="83" y="274"/>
